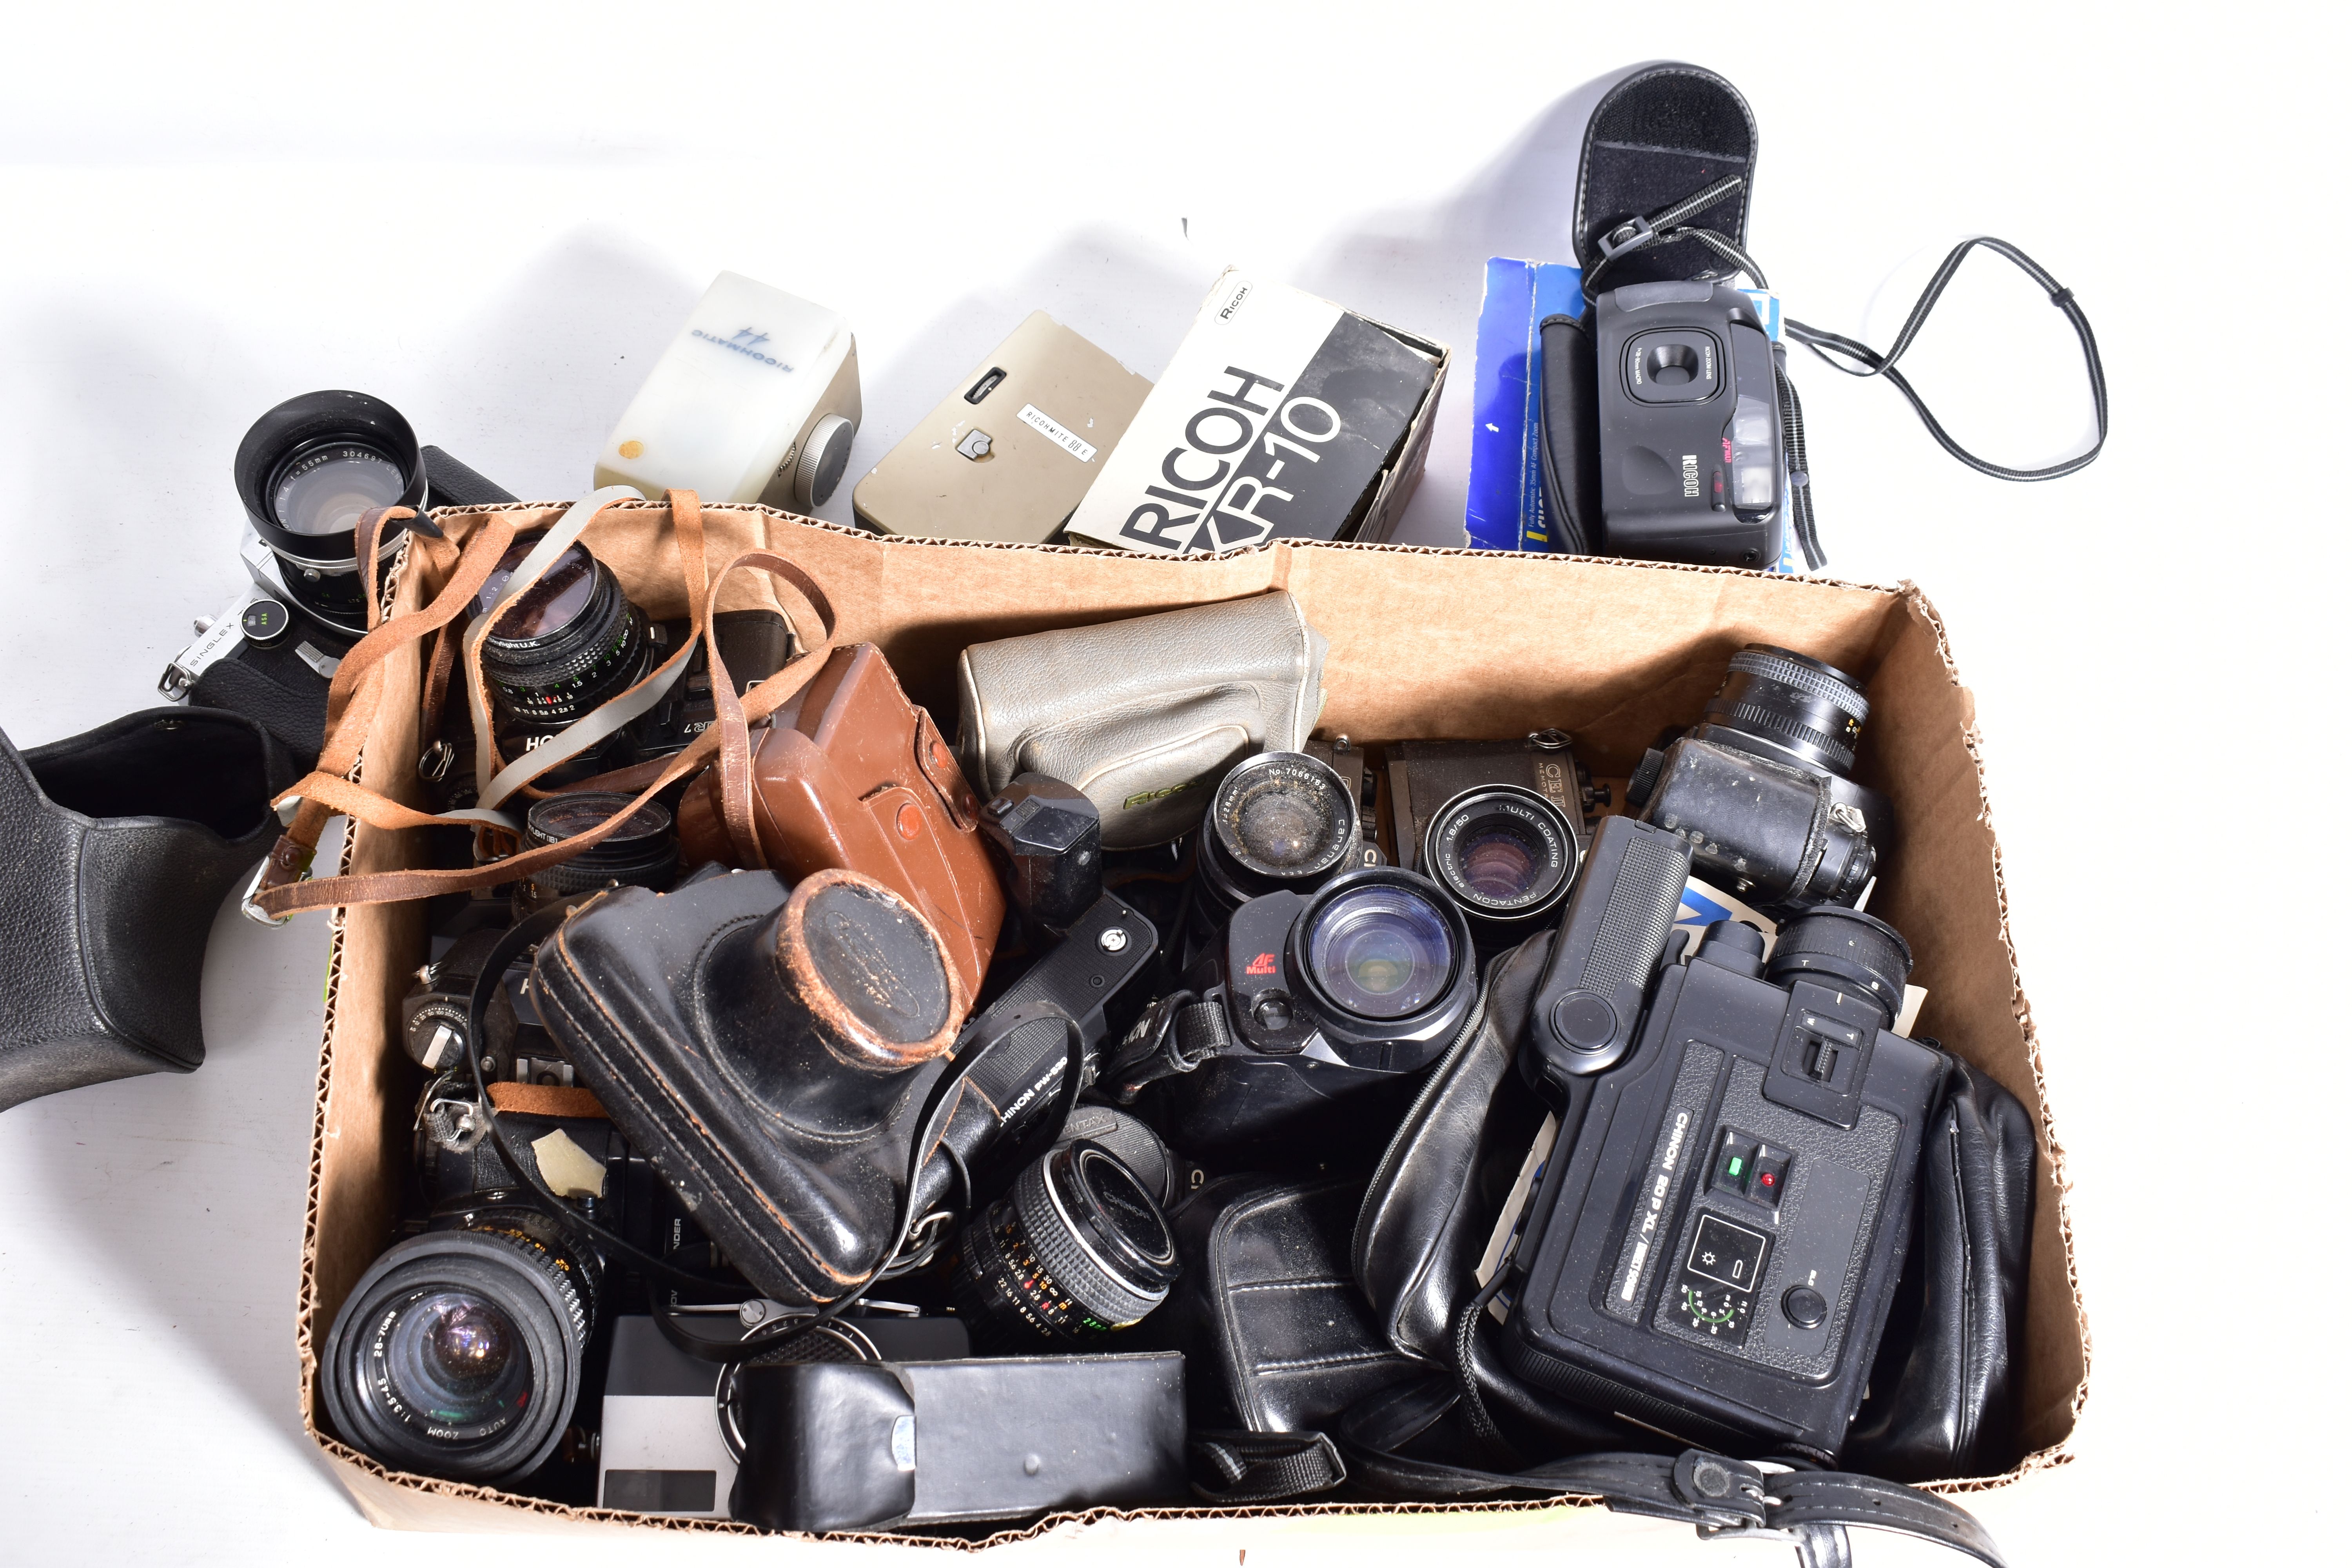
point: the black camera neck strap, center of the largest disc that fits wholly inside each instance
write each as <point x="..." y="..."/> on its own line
<point x="1174" y="1034"/>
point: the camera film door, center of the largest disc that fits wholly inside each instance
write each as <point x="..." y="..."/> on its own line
<point x="1011" y="450"/>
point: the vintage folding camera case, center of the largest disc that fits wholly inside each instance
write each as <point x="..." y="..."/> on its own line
<point x="1425" y="644"/>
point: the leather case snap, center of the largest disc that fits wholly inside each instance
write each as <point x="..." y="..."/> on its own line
<point x="1276" y="1336"/>
<point x="1143" y="715"/>
<point x="116" y="849"/>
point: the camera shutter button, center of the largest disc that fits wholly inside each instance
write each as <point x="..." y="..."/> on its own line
<point x="1585" y="1020"/>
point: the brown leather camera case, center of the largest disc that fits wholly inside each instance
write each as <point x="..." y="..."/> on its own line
<point x="850" y="775"/>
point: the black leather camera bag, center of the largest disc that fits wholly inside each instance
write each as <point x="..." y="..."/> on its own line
<point x="116" y="849"/>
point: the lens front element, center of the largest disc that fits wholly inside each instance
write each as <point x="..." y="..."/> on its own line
<point x="1381" y="950"/>
<point x="453" y="1365"/>
<point x="1502" y="851"/>
<point x="1284" y="814"/>
<point x="325" y="492"/>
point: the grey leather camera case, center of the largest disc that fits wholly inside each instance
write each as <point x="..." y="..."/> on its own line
<point x="1145" y="715"/>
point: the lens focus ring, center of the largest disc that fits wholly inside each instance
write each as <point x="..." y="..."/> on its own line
<point x="1093" y="1290"/>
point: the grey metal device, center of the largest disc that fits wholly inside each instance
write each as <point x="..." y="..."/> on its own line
<point x="1723" y="1218"/>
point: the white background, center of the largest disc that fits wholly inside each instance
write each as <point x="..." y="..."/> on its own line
<point x="495" y="216"/>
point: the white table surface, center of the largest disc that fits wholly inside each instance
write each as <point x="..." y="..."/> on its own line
<point x="495" y="216"/>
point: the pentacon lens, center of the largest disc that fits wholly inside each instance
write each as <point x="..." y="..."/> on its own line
<point x="1794" y="704"/>
<point x="1504" y="852"/>
<point x="1380" y="949"/>
<point x="569" y="644"/>
<point x="460" y="1352"/>
<point x="1076" y="1250"/>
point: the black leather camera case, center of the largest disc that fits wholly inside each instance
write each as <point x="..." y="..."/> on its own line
<point x="116" y="849"/>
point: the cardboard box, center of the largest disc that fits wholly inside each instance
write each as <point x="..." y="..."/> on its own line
<point x="1424" y="644"/>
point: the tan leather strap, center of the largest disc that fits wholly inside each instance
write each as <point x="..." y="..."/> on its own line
<point x="329" y="794"/>
<point x="733" y="718"/>
<point x="356" y="690"/>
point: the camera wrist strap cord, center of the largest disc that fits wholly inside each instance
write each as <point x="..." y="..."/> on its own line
<point x="1858" y="359"/>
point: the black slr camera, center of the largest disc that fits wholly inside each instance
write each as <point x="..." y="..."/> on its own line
<point x="1500" y="825"/>
<point x="1663" y="426"/>
<point x="1763" y="787"/>
<point x="1721" y="1223"/>
<point x="1309" y="1003"/>
<point x="462" y="1351"/>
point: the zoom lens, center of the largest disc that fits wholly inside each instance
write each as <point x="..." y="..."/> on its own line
<point x="1794" y="704"/>
<point x="1379" y="948"/>
<point x="1854" y="953"/>
<point x="1078" y="1249"/>
<point x="640" y="853"/>
<point x="307" y="471"/>
<point x="460" y="1352"/>
<point x="569" y="644"/>
<point x="1504" y="852"/>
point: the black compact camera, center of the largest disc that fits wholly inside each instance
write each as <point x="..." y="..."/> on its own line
<point x="1763" y="787"/>
<point x="462" y="1351"/>
<point x="1662" y="427"/>
<point x="306" y="472"/>
<point x="1500" y="825"/>
<point x="1722" y="1219"/>
<point x="1310" y="1002"/>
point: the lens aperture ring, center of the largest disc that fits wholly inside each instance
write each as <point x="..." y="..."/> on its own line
<point x="1748" y="716"/>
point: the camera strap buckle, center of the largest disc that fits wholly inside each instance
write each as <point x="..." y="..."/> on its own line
<point x="1630" y="235"/>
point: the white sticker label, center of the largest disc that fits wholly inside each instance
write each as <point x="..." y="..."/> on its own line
<point x="1040" y="421"/>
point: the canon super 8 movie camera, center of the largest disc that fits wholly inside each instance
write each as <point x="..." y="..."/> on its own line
<point x="1723" y="1217"/>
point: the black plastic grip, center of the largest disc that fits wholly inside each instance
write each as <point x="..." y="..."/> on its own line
<point x="1590" y="1001"/>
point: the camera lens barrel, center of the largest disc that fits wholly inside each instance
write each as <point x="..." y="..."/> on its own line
<point x="1279" y="820"/>
<point x="641" y="853"/>
<point x="1792" y="704"/>
<point x="1774" y="832"/>
<point x="1857" y="954"/>
<point x="306" y="472"/>
<point x="567" y="645"/>
<point x="459" y="1353"/>
<point x="1506" y="853"/>
<point x="1078" y="1248"/>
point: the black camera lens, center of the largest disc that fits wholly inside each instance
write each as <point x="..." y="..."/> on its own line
<point x="1279" y="820"/>
<point x="1284" y="814"/>
<point x="1856" y="954"/>
<point x="1076" y="1249"/>
<point x="568" y="645"/>
<point x="640" y="853"/>
<point x="306" y="471"/>
<point x="1504" y="852"/>
<point x="459" y="1351"/>
<point x="1794" y="704"/>
<point x="1378" y="948"/>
